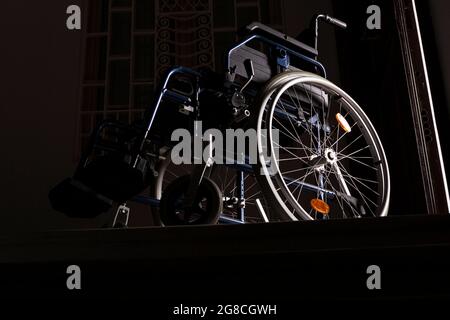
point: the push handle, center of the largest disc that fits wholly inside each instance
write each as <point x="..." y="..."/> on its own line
<point x="338" y="23"/>
<point x="328" y="19"/>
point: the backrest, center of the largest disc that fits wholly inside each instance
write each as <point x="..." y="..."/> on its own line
<point x="281" y="38"/>
<point x="271" y="52"/>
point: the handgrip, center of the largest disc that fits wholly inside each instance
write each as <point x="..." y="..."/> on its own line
<point x="336" y="22"/>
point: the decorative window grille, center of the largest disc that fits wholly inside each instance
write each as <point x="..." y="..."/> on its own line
<point x="129" y="43"/>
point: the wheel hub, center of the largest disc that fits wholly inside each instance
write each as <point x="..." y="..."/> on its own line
<point x="330" y="155"/>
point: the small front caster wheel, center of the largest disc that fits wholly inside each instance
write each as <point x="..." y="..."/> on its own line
<point x="206" y="208"/>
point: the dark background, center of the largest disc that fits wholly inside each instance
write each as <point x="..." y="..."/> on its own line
<point x="40" y="96"/>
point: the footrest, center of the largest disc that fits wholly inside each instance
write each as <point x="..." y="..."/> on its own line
<point x="76" y="200"/>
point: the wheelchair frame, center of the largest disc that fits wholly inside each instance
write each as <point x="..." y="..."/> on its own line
<point x="283" y="62"/>
<point x="142" y="150"/>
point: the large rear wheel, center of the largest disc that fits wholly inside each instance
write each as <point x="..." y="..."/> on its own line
<point x="319" y="155"/>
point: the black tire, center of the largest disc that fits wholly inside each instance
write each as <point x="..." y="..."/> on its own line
<point x="171" y="212"/>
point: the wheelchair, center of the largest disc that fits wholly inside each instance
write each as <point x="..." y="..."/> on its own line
<point x="317" y="154"/>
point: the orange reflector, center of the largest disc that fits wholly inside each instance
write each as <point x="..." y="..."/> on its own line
<point x="343" y="123"/>
<point x="320" y="206"/>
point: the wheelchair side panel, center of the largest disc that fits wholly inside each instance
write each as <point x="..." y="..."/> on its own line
<point x="263" y="69"/>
